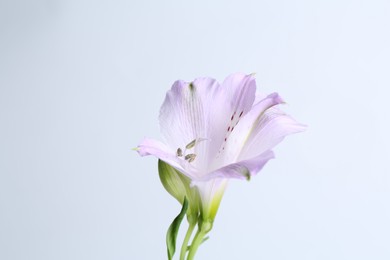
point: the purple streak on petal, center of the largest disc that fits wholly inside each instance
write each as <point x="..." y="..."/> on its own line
<point x="240" y="90"/>
<point x="240" y="136"/>
<point x="240" y="93"/>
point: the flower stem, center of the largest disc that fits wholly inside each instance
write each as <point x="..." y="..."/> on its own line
<point x="195" y="243"/>
<point x="186" y="239"/>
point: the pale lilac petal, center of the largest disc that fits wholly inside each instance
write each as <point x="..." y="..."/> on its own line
<point x="182" y="115"/>
<point x="217" y="119"/>
<point x="159" y="150"/>
<point x="195" y="111"/>
<point x="241" y="89"/>
<point x="211" y="193"/>
<point x="241" y="92"/>
<point x="243" y="130"/>
<point x="269" y="130"/>
<point x="241" y="170"/>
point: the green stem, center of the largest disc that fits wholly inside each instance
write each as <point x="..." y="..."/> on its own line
<point x="186" y="239"/>
<point x="195" y="243"/>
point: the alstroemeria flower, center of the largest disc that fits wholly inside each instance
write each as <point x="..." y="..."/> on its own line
<point x="213" y="132"/>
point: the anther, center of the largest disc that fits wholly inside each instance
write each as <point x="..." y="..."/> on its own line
<point x="190" y="157"/>
<point x="179" y="152"/>
<point x="191" y="144"/>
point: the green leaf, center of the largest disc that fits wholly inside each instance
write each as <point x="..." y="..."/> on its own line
<point x="174" y="229"/>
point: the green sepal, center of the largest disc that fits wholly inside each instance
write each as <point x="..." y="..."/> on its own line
<point x="178" y="185"/>
<point x="174" y="229"/>
<point x="173" y="181"/>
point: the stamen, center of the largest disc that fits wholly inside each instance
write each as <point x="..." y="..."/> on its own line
<point x="179" y="152"/>
<point x="191" y="144"/>
<point x="190" y="157"/>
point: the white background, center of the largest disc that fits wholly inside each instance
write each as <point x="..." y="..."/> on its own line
<point x="81" y="83"/>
